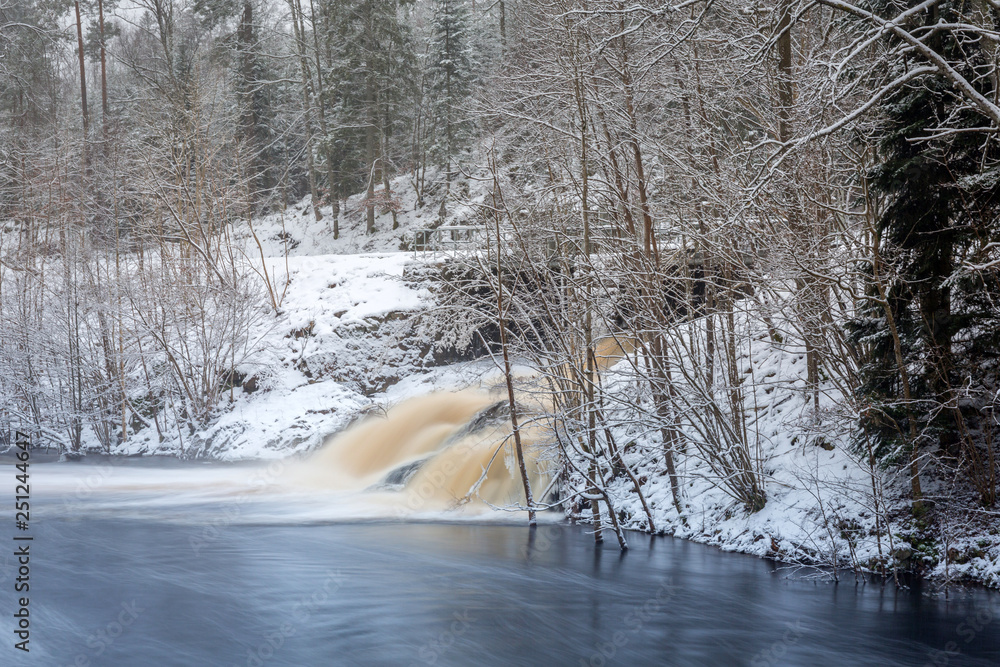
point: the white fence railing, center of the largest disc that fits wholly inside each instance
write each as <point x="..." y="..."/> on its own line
<point x="448" y="240"/>
<point x="453" y="240"/>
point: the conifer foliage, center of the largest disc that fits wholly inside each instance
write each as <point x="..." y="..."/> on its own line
<point x="939" y="180"/>
<point x="452" y="78"/>
<point x="667" y="208"/>
<point x="371" y="70"/>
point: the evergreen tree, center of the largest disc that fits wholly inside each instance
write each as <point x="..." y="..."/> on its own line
<point x="28" y="76"/>
<point x="29" y="90"/>
<point x="255" y="105"/>
<point x="452" y="77"/>
<point x="939" y="175"/>
<point x="250" y="76"/>
<point x="370" y="77"/>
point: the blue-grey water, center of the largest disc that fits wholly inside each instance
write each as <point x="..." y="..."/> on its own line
<point x="126" y="591"/>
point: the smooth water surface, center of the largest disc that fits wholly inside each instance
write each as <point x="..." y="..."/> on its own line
<point x="125" y="591"/>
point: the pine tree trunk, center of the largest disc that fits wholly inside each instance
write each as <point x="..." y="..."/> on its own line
<point x="104" y="75"/>
<point x="298" y="28"/>
<point x="388" y="187"/>
<point x="370" y="160"/>
<point x="83" y="77"/>
<point x="332" y="193"/>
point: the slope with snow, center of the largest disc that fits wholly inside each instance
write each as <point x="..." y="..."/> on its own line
<point x="353" y="336"/>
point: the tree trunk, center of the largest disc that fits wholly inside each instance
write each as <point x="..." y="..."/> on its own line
<point x="104" y="74"/>
<point x="298" y="28"/>
<point x="332" y="192"/>
<point x="370" y="160"/>
<point x="508" y="376"/>
<point x="806" y="284"/>
<point x="83" y="75"/>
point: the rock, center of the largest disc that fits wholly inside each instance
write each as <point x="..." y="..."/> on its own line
<point x="823" y="443"/>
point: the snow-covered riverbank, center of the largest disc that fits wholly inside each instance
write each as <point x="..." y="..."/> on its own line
<point x="356" y="333"/>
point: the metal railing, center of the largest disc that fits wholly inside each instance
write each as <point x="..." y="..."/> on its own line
<point x="454" y="240"/>
<point x="448" y="240"/>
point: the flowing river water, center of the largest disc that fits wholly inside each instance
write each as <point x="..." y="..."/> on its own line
<point x="357" y="555"/>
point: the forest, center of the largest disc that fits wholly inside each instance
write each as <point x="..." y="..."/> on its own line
<point x="716" y="234"/>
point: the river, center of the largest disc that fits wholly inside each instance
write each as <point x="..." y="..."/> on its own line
<point x="137" y="582"/>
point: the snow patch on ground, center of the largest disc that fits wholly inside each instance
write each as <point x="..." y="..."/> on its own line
<point x="822" y="508"/>
<point x="334" y="328"/>
<point x="296" y="232"/>
<point x="347" y="340"/>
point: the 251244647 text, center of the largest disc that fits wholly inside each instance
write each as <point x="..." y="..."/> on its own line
<point x="22" y="541"/>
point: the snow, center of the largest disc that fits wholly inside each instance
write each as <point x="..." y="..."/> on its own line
<point x="337" y="289"/>
<point x="296" y="232"/>
<point x="328" y="297"/>
<point x="347" y="339"/>
<point x="345" y="333"/>
<point x="821" y="507"/>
